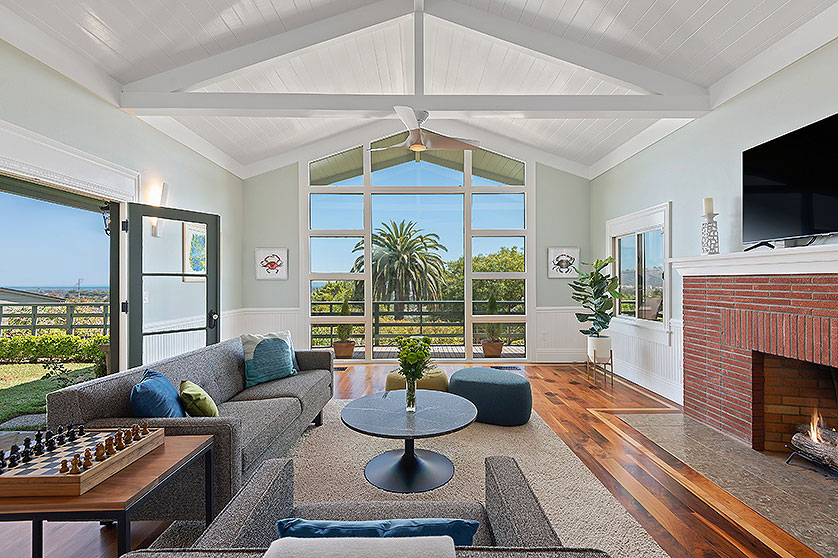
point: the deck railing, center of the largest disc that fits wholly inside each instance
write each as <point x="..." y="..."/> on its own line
<point x="72" y="318"/>
<point x="441" y="320"/>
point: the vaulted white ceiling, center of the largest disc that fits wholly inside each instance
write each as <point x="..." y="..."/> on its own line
<point x="589" y="81"/>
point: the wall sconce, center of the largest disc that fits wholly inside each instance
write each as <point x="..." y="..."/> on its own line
<point x="157" y="227"/>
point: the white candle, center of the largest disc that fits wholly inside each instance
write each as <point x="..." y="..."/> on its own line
<point x="708" y="206"/>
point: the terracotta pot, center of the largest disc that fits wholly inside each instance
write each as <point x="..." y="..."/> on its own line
<point x="602" y="346"/>
<point x="343" y="349"/>
<point x="492" y="349"/>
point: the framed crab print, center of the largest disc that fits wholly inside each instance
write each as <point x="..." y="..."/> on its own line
<point x="272" y="264"/>
<point x="562" y="261"/>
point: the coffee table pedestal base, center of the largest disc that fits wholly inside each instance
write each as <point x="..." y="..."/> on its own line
<point x="409" y="470"/>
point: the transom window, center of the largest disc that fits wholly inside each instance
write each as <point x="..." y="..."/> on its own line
<point x="428" y="243"/>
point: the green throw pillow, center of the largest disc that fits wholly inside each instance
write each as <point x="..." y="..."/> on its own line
<point x="196" y="401"/>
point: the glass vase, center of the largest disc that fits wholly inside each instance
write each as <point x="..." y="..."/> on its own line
<point x="410" y="396"/>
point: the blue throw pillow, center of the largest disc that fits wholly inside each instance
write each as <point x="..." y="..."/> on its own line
<point x="155" y="396"/>
<point x="267" y="357"/>
<point x="461" y="530"/>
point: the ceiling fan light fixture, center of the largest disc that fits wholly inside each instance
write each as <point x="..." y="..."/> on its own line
<point x="417" y="147"/>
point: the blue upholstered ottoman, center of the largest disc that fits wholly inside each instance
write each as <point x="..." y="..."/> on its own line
<point x="501" y="398"/>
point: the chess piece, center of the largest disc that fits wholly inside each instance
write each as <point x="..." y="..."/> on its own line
<point x="145" y="429"/>
<point x="14" y="450"/>
<point x="135" y="432"/>
<point x="13" y="457"/>
<point x="48" y="435"/>
<point x="60" y="430"/>
<point x="126" y="437"/>
<point x="119" y="443"/>
<point x="109" y="446"/>
<point x="71" y="434"/>
<point x="26" y="455"/>
<point x="2" y="461"/>
<point x="75" y="467"/>
<point x="88" y="461"/>
<point x="100" y="452"/>
<point x="27" y="442"/>
<point x="64" y="467"/>
<point x="50" y="444"/>
<point x="87" y="452"/>
<point x="39" y="443"/>
<point x="81" y="430"/>
<point x="59" y="438"/>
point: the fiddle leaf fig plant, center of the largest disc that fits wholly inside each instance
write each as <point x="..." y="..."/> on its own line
<point x="596" y="292"/>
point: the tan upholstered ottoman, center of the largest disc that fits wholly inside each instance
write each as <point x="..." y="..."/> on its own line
<point x="433" y="379"/>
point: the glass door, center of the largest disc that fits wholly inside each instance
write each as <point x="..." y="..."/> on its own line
<point x="173" y="282"/>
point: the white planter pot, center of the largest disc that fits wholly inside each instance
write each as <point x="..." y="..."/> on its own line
<point x="599" y="349"/>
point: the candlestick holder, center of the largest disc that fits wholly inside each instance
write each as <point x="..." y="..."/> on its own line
<point x="709" y="234"/>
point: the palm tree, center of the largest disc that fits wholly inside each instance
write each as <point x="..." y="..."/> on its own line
<point x="406" y="264"/>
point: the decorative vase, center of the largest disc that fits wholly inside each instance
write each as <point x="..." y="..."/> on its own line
<point x="599" y="349"/>
<point x="709" y="234"/>
<point x="410" y="395"/>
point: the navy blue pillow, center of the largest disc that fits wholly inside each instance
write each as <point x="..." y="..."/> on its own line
<point x="461" y="530"/>
<point x="155" y="396"/>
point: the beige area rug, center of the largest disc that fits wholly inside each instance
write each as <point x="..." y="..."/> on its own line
<point x="329" y="466"/>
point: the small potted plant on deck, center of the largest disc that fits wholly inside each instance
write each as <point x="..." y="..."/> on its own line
<point x="596" y="292"/>
<point x="493" y="344"/>
<point x="344" y="346"/>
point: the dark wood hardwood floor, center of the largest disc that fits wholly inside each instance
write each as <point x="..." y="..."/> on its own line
<point x="685" y="513"/>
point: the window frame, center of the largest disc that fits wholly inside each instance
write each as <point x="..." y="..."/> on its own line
<point x="637" y="223"/>
<point x="368" y="190"/>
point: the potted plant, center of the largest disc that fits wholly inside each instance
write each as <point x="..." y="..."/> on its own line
<point x="596" y="292"/>
<point x="344" y="346"/>
<point x="493" y="344"/>
<point x="414" y="358"/>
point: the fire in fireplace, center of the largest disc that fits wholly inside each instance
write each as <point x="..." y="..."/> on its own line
<point x="816" y="443"/>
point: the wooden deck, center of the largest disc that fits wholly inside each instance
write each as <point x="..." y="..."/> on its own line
<point x="452" y="352"/>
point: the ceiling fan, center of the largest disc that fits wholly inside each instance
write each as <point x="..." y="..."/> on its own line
<point x="420" y="140"/>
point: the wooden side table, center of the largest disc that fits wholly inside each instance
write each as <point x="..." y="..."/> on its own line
<point x="116" y="498"/>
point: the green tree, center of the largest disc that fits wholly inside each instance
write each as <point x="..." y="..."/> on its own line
<point x="504" y="260"/>
<point x="344" y="331"/>
<point x="406" y="263"/>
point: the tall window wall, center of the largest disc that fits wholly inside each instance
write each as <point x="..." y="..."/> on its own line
<point x="426" y="243"/>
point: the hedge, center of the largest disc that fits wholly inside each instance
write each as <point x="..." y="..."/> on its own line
<point x="52" y="346"/>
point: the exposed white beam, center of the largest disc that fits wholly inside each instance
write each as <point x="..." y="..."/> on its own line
<point x="419" y="47"/>
<point x="212" y="68"/>
<point x="23" y="35"/>
<point x="611" y="67"/>
<point x="807" y="38"/>
<point x="302" y="105"/>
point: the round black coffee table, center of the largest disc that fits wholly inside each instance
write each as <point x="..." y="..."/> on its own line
<point x="383" y="415"/>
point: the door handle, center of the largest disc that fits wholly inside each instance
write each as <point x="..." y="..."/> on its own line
<point x="213" y="319"/>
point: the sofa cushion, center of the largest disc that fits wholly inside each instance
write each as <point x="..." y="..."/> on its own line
<point x="365" y="511"/>
<point x="417" y="547"/>
<point x="262" y="421"/>
<point x="304" y="386"/>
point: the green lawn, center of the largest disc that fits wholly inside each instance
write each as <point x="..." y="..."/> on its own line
<point x="24" y="387"/>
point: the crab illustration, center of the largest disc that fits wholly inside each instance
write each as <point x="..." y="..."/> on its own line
<point x="563" y="263"/>
<point x="272" y="263"/>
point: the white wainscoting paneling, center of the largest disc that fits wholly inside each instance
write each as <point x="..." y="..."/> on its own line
<point x="655" y="365"/>
<point x="557" y="337"/>
<point x="158" y="347"/>
<point x="265" y="320"/>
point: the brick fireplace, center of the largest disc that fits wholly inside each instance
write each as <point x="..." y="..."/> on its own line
<point x="760" y="350"/>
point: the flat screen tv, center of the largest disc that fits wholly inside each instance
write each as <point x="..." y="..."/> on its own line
<point x="790" y="185"/>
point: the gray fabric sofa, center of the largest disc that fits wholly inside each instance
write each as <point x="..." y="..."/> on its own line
<point x="512" y="522"/>
<point x="255" y="423"/>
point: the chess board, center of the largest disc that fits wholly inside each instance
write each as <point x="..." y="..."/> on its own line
<point x="42" y="476"/>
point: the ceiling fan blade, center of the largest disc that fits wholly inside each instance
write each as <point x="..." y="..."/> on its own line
<point x="408" y="117"/>
<point x="404" y="145"/>
<point x="445" y="142"/>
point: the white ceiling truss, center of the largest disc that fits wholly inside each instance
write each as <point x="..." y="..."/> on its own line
<point x="511" y="71"/>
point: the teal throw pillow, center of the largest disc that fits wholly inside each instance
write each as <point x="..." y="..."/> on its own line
<point x="267" y="357"/>
<point x="461" y="530"/>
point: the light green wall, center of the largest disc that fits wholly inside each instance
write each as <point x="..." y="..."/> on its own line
<point x="37" y="98"/>
<point x="563" y="208"/>
<point x="704" y="158"/>
<point x="271" y="204"/>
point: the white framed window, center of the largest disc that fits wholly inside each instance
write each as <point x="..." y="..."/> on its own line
<point x="639" y="242"/>
<point x="475" y="204"/>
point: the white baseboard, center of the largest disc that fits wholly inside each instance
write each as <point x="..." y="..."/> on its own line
<point x="559" y="355"/>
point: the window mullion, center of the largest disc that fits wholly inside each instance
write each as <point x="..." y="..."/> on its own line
<point x="368" y="287"/>
<point x="468" y="306"/>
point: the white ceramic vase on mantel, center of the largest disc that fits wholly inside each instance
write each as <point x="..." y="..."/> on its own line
<point x="599" y="349"/>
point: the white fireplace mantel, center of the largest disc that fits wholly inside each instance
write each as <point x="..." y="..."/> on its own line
<point x="800" y="260"/>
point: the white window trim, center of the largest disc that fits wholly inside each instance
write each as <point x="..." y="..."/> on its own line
<point x="651" y="218"/>
<point x="528" y="233"/>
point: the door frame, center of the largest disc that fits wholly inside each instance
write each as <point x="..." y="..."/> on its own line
<point x="136" y="212"/>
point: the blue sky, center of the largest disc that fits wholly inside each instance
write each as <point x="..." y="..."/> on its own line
<point x="44" y="244"/>
<point x="438" y="213"/>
